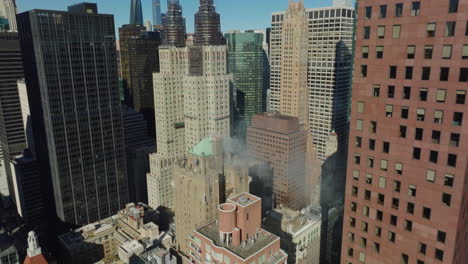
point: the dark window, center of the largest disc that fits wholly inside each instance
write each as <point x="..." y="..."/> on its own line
<point x="428" y="50"/>
<point x="446" y="199"/>
<point x="366" y="32"/>
<point x="452" y="160"/>
<point x="397" y="185"/>
<point x="435" y="136"/>
<point x="404" y="112"/>
<point x="404" y="259"/>
<point x="450" y="29"/>
<point x="373" y="127"/>
<point x="391" y="236"/>
<point x="411" y="52"/>
<point x="393" y="72"/>
<point x="454" y="140"/>
<point x="406" y="92"/>
<point x="357" y="159"/>
<point x="466" y="29"/>
<point x="461" y="97"/>
<point x="395" y="203"/>
<point x="399" y="9"/>
<point x="379" y="215"/>
<point x="409" y="73"/>
<point x="419" y="134"/>
<point x="386" y="147"/>
<point x="393" y="220"/>
<point x="363" y="70"/>
<point x="383" y="11"/>
<point x="403" y="131"/>
<point x="422" y="248"/>
<point x="371" y="144"/>
<point x="423" y="94"/>
<point x="381" y="198"/>
<point x="408" y="225"/>
<point x="441" y="236"/>
<point x="463" y="75"/>
<point x="453" y="6"/>
<point x="426" y="73"/>
<point x="426" y="213"/>
<point x="415" y="8"/>
<point x="368" y="12"/>
<point x="355" y="191"/>
<point x="434" y="156"/>
<point x="410" y="208"/>
<point x="421" y="114"/>
<point x="417" y="153"/>
<point x="431" y="30"/>
<point x="448" y="180"/>
<point x="391" y="91"/>
<point x="367" y="194"/>
<point x="457" y="118"/>
<point x="358" y="142"/>
<point x="444" y="73"/>
<point x="365" y="52"/>
<point x="439" y="254"/>
<point x="379" y="52"/>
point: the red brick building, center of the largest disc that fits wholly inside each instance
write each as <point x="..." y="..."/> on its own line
<point x="237" y="236"/>
<point x="407" y="187"/>
<point x="279" y="140"/>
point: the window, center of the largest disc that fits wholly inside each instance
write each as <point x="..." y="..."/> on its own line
<point x="393" y="220"/>
<point x="463" y="75"/>
<point x="441" y="236"/>
<point x="403" y="131"/>
<point x="379" y="215"/>
<point x="353" y="206"/>
<point x="461" y="97"/>
<point x="412" y="190"/>
<point x="373" y="127"/>
<point x="465" y="52"/>
<point x="395" y="203"/>
<point x="359" y="125"/>
<point x="393" y="72"/>
<point x="409" y="73"/>
<point x="438" y="116"/>
<point x="364" y="226"/>
<point x="423" y="94"/>
<point x="386" y="147"/>
<point x="447" y="52"/>
<point x="363" y="70"/>
<point x="457" y="118"/>
<point x="357" y="159"/>
<point x="356" y="175"/>
<point x="428" y="49"/>
<point x="408" y="225"/>
<point x="411" y="52"/>
<point x="431" y="30"/>
<point x="426" y="213"/>
<point x="404" y="112"/>
<point x="406" y="92"/>
<point x="378" y="231"/>
<point x="367" y="195"/>
<point x="352" y="222"/>
<point x="360" y="107"/>
<point x="391" y="91"/>
<point x="389" y="110"/>
<point x="466" y="29"/>
<point x="376" y="90"/>
<point x="368" y="179"/>
<point x="365" y="52"/>
<point x="381" y="32"/>
<point x="382" y="182"/>
<point x="433" y="156"/>
<point x="370" y="162"/>
<point x="415" y="8"/>
<point x="365" y="210"/>
<point x="383" y="11"/>
<point x="452" y="160"/>
<point x="450" y="29"/>
<point x="410" y="208"/>
<point x="354" y="191"/>
<point x="358" y="142"/>
<point x="426" y="73"/>
<point x="368" y="12"/>
<point x="363" y="242"/>
<point x="454" y="140"/>
<point x="396" y="186"/>
<point x="439" y="254"/>
<point x="362" y="257"/>
<point x="381" y="198"/>
<point x="419" y="134"/>
<point x="430" y="176"/>
<point x="351" y="237"/>
<point x="376" y="247"/>
<point x="371" y="144"/>
<point x="448" y="180"/>
<point x="416" y="153"/>
<point x="399" y="9"/>
<point x="444" y="73"/>
<point x="422" y="248"/>
<point x="441" y="93"/>
<point x="367" y="32"/>
<point x="379" y="52"/>
<point x="396" y="31"/>
<point x="420" y="114"/>
<point x="398" y="168"/>
<point x="391" y="236"/>
<point x="350" y="252"/>
<point x="453" y="6"/>
<point x="435" y="137"/>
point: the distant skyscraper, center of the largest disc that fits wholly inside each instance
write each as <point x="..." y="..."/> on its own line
<point x="406" y="186"/>
<point x="136" y="13"/>
<point x="76" y="113"/>
<point x="157" y="19"/>
<point x="174" y="25"/>
<point x="246" y="61"/>
<point x="207" y="25"/>
<point x="8" y="10"/>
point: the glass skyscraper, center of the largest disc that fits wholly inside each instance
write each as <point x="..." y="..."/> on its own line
<point x="157" y="21"/>
<point x="136" y="13"/>
<point x="174" y="25"/>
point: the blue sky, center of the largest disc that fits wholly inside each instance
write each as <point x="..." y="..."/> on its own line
<point x="235" y="14"/>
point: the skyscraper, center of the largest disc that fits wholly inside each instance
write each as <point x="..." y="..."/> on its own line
<point x="406" y="191"/>
<point x="207" y="25"/>
<point x="76" y="113"/>
<point x="8" y="10"/>
<point x="157" y="19"/>
<point x="327" y="76"/>
<point x="246" y="61"/>
<point x="174" y="25"/>
<point x="136" y="13"/>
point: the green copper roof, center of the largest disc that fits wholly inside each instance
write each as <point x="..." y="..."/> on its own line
<point x="204" y="148"/>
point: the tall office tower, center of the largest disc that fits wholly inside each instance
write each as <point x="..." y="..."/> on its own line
<point x="207" y="25"/>
<point x="203" y="180"/>
<point x="8" y="10"/>
<point x="136" y="13"/>
<point x="157" y="19"/>
<point x="279" y="140"/>
<point x="76" y="113"/>
<point x="12" y="137"/>
<point x="406" y="192"/>
<point x="173" y="25"/>
<point x="246" y="61"/>
<point x="329" y="68"/>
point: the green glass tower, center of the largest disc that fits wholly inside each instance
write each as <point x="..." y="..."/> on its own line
<point x="246" y="61"/>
